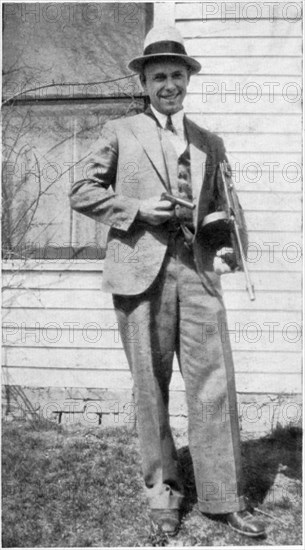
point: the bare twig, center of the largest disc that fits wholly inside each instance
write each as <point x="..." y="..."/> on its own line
<point x="36" y="203"/>
<point x="16" y="138"/>
<point x="45" y="191"/>
<point x="53" y="84"/>
<point x="270" y="516"/>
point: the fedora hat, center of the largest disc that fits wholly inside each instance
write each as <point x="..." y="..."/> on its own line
<point x="163" y="42"/>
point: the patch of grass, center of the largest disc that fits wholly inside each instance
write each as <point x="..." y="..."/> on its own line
<point x="83" y="487"/>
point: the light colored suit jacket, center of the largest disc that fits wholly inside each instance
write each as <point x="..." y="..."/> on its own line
<point x="128" y="165"/>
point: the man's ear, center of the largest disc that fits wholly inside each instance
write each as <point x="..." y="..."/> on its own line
<point x="143" y="81"/>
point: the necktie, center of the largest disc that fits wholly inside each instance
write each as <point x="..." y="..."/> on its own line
<point x="169" y="125"/>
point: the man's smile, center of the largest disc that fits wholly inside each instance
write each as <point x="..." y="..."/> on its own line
<point x="171" y="96"/>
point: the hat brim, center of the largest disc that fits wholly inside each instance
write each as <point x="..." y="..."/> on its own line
<point x="137" y="64"/>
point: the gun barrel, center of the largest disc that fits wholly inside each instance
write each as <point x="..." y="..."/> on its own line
<point x="177" y="200"/>
<point x="249" y="285"/>
<point x="230" y="208"/>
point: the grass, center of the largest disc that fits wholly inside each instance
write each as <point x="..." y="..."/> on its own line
<point x="83" y="488"/>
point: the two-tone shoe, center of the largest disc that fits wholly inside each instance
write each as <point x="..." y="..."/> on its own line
<point x="167" y="520"/>
<point x="246" y="524"/>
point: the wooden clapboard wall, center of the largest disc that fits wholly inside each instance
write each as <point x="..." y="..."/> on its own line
<point x="60" y="329"/>
<point x="249" y="92"/>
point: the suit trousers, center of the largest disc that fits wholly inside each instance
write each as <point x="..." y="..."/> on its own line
<point x="177" y="315"/>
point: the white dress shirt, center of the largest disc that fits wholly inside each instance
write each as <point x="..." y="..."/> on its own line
<point x="178" y="140"/>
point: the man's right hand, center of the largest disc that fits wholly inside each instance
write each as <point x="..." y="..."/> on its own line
<point x="155" y="211"/>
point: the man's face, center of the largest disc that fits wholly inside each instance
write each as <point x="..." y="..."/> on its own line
<point x="166" y="83"/>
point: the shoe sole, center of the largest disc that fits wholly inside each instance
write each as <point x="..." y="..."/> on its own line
<point x="247" y="534"/>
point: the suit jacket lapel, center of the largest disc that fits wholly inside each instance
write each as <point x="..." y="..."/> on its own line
<point x="169" y="154"/>
<point x="146" y="131"/>
<point x="171" y="162"/>
<point x="198" y="157"/>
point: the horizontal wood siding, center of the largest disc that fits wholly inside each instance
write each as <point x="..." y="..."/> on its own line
<point x="249" y="92"/>
<point x="60" y="328"/>
<point x="62" y="347"/>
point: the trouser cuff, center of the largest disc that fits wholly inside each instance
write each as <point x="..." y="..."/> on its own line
<point x="221" y="507"/>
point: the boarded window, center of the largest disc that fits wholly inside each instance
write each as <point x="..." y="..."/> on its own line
<point x="65" y="74"/>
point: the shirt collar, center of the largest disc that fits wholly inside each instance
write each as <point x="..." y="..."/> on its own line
<point x="177" y="118"/>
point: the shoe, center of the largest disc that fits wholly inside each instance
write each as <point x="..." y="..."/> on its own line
<point x="244" y="523"/>
<point x="167" y="520"/>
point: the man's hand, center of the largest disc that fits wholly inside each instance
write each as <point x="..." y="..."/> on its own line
<point x="155" y="211"/>
<point x="225" y="261"/>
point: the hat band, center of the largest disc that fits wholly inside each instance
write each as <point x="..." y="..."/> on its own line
<point x="165" y="46"/>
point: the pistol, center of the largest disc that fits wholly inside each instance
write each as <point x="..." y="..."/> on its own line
<point x="177" y="200"/>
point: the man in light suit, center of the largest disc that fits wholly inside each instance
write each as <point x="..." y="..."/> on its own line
<point x="164" y="277"/>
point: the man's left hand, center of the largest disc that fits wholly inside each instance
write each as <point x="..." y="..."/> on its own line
<point x="225" y="261"/>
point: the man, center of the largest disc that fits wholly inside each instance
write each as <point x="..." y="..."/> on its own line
<point x="164" y="277"/>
